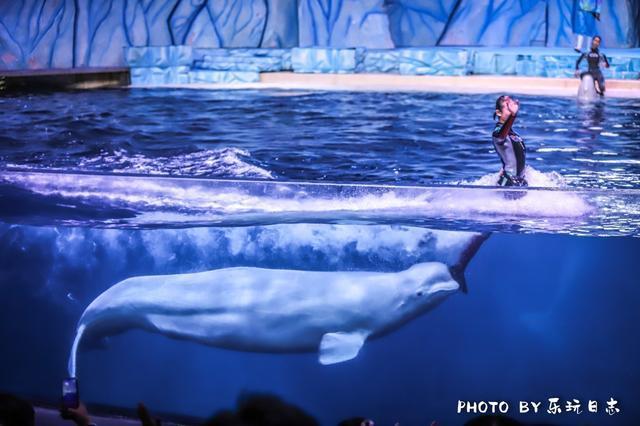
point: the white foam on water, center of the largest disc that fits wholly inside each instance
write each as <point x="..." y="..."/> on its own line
<point x="534" y="177"/>
<point x="537" y="203"/>
<point x="621" y="161"/>
<point x="558" y="149"/>
<point x="225" y="162"/>
<point x="204" y="200"/>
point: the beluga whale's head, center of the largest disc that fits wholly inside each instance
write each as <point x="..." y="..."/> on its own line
<point x="587" y="90"/>
<point x="424" y="285"/>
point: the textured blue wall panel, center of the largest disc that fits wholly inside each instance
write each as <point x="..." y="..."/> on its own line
<point x="343" y="23"/>
<point x="164" y="56"/>
<point x="433" y="61"/>
<point x="99" y="31"/>
<point x="260" y="59"/>
<point x="378" y="61"/>
<point x="497" y="23"/>
<point x="557" y="66"/>
<point x="323" y="60"/>
<point x="504" y="23"/>
<point x="240" y="63"/>
<point x="617" y="24"/>
<point x="234" y="23"/>
<point x="68" y="33"/>
<point x="80" y="33"/>
<point x="35" y="34"/>
<point x="220" y="23"/>
<point x="217" y="77"/>
<point x="157" y="76"/>
<point x="550" y="62"/>
<point x="625" y="64"/>
<point x="415" y="23"/>
<point x="282" y="24"/>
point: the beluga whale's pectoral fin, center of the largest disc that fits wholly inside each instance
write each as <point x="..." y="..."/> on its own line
<point x="341" y="346"/>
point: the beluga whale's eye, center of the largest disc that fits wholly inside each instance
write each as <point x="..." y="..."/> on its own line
<point x="419" y="293"/>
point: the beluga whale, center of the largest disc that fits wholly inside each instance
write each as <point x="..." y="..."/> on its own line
<point x="587" y="89"/>
<point x="279" y="310"/>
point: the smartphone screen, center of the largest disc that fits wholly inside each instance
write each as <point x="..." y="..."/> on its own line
<point x="70" y="397"/>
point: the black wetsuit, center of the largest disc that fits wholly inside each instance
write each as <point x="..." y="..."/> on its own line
<point x="512" y="151"/>
<point x="593" y="59"/>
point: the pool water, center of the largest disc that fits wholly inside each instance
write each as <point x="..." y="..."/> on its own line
<point x="545" y="316"/>
<point x="101" y="187"/>
<point x="372" y="137"/>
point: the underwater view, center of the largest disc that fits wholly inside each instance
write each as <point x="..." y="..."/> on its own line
<point x="349" y="252"/>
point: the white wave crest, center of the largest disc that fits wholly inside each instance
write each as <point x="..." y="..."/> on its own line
<point x="227" y="162"/>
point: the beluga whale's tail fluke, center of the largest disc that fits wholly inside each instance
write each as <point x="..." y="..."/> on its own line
<point x="281" y="310"/>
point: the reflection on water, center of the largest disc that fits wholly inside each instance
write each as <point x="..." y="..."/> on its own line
<point x="407" y="138"/>
<point x="152" y="202"/>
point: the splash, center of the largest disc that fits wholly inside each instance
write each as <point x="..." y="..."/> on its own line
<point x="151" y="201"/>
<point x="535" y="178"/>
<point x="223" y="163"/>
<point x="169" y="199"/>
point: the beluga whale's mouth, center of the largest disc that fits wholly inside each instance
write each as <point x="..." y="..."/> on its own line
<point x="282" y="310"/>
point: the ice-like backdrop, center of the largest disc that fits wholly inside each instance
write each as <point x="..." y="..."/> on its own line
<point x="85" y="33"/>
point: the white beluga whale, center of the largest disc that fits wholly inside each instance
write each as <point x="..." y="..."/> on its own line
<point x="587" y="89"/>
<point x="279" y="310"/>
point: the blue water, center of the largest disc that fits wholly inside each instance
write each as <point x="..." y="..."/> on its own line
<point x="552" y="303"/>
<point x="407" y="138"/>
<point x="546" y="316"/>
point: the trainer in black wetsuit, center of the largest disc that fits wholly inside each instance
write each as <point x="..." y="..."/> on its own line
<point x="593" y="59"/>
<point x="511" y="149"/>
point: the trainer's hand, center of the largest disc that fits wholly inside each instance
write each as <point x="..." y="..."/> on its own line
<point x="597" y="15"/>
<point x="145" y="416"/>
<point x="80" y="415"/>
<point x="513" y="106"/>
<point x="577" y="73"/>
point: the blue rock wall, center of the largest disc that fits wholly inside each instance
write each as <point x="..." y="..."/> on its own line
<point x="343" y="23"/>
<point x="634" y="18"/>
<point x="83" y="33"/>
<point x="617" y="25"/>
<point x="419" y="22"/>
<point x="497" y="23"/>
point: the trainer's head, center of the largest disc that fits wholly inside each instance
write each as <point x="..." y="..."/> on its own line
<point x="505" y="107"/>
<point x="595" y="43"/>
<point x="500" y="103"/>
